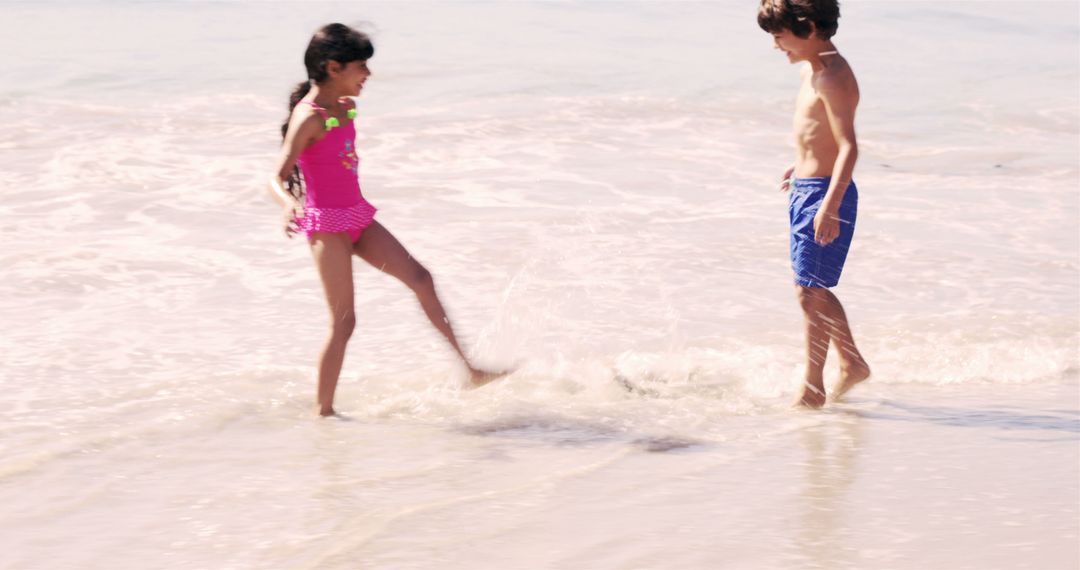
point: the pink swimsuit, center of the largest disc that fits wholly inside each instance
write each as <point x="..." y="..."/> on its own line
<point x="330" y="168"/>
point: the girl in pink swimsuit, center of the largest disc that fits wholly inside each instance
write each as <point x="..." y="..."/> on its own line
<point x="316" y="182"/>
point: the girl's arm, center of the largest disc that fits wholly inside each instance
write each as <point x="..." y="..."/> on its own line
<point x="304" y="129"/>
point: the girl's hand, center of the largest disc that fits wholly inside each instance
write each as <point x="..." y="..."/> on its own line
<point x="826" y="227"/>
<point x="292" y="214"/>
<point x="785" y="183"/>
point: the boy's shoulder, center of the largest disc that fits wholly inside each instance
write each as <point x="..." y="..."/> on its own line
<point x="838" y="78"/>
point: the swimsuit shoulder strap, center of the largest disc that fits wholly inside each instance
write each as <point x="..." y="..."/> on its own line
<point x="322" y="112"/>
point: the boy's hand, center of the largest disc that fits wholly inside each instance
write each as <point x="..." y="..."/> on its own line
<point x="826" y="226"/>
<point x="785" y="183"/>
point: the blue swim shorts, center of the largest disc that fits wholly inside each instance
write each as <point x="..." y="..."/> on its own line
<point x="816" y="265"/>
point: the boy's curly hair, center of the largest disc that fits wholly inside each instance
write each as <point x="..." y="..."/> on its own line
<point x="795" y="15"/>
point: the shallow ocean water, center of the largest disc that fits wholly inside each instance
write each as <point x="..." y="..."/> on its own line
<point x="592" y="184"/>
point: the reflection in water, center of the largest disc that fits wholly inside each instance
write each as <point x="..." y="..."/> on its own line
<point x="828" y="473"/>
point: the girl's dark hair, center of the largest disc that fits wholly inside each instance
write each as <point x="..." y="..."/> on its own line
<point x="332" y="42"/>
<point x="795" y="15"/>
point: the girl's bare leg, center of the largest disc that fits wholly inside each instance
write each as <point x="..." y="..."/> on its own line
<point x="383" y="251"/>
<point x="333" y="259"/>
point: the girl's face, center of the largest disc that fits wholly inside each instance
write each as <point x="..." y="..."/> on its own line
<point x="350" y="77"/>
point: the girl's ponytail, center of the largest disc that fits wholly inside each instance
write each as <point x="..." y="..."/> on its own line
<point x="298" y="93"/>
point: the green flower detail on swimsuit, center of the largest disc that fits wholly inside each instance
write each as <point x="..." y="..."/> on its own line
<point x="348" y="157"/>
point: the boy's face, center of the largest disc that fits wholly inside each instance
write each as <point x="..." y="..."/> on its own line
<point x="797" y="49"/>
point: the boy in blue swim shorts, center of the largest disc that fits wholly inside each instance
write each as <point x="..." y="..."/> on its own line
<point x="823" y="197"/>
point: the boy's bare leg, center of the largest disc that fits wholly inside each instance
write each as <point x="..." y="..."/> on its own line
<point x="853" y="367"/>
<point x="825" y="321"/>
<point x="814" y="306"/>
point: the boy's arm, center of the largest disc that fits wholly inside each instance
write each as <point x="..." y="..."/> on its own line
<point x="789" y="176"/>
<point x="840" y="96"/>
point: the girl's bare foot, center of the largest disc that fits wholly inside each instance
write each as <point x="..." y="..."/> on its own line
<point x="850" y="376"/>
<point x="478" y="377"/>
<point x="327" y="411"/>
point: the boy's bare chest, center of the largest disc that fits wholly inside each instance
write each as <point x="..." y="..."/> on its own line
<point x="809" y="108"/>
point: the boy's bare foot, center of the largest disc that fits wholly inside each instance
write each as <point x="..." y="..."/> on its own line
<point x="850" y="376"/>
<point x="478" y="377"/>
<point x="811" y="398"/>
<point x="326" y="411"/>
